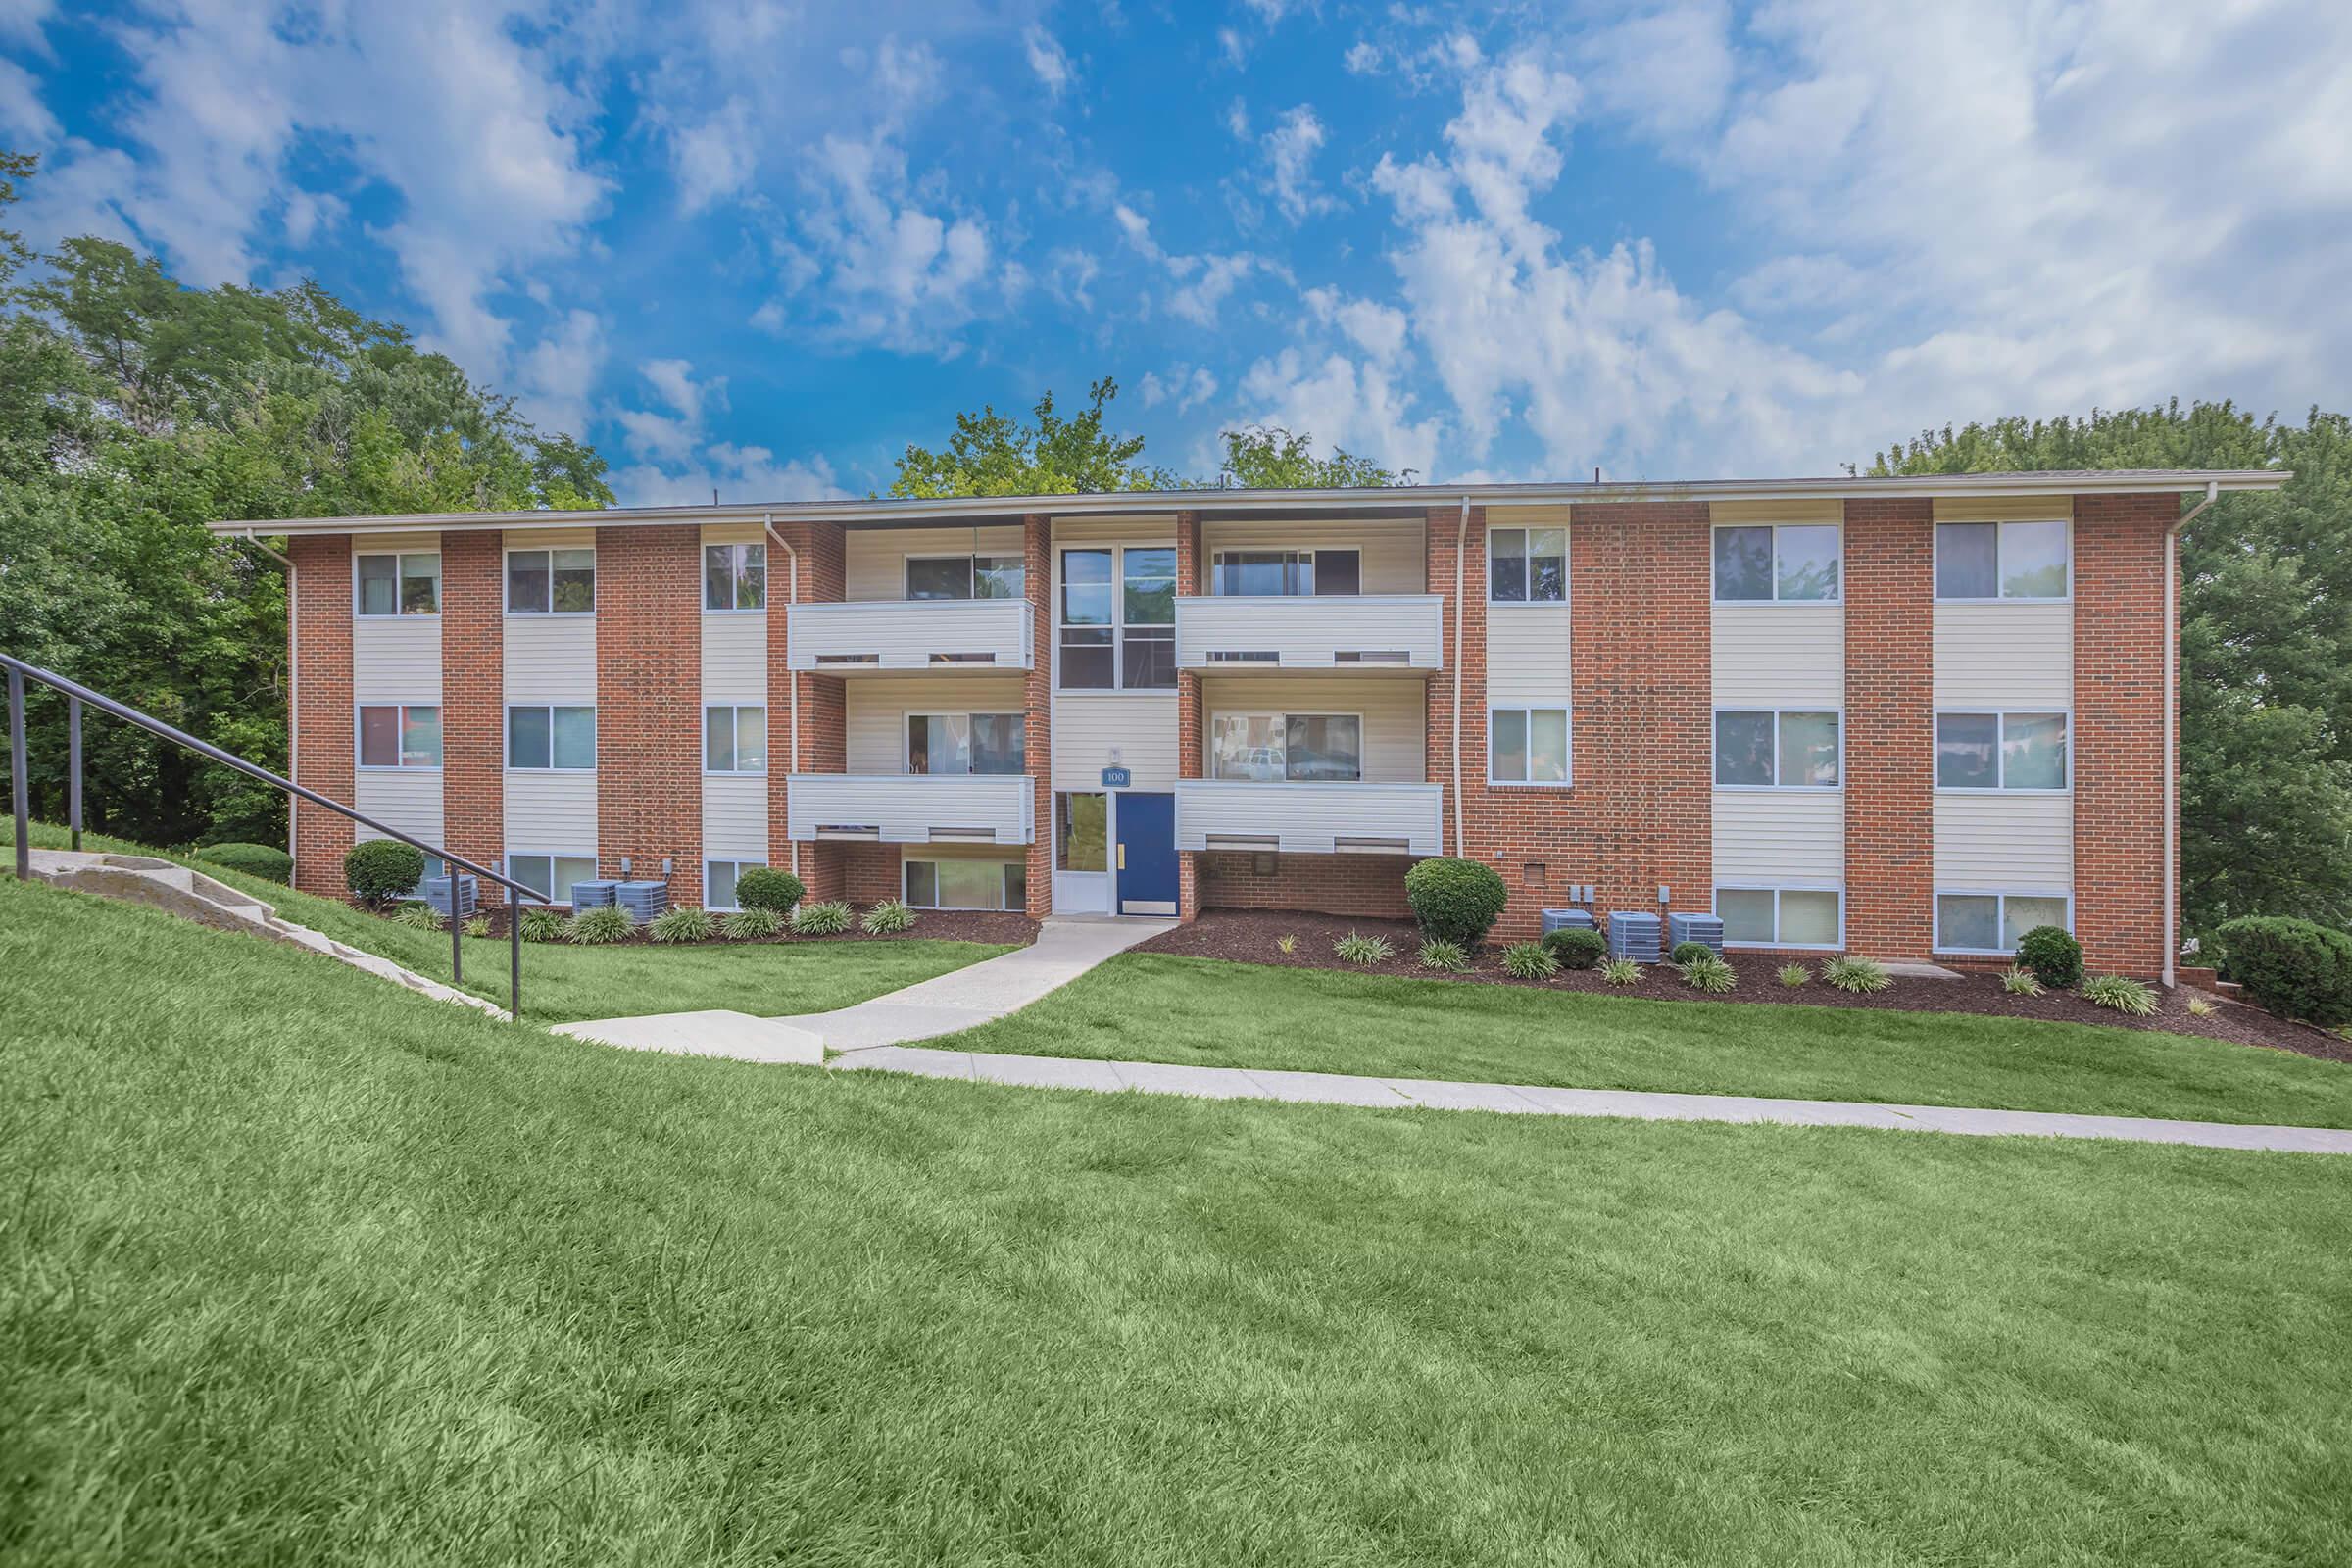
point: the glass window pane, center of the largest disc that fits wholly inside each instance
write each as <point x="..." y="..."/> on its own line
<point x="526" y="737"/>
<point x="1744" y="749"/>
<point x="533" y="871"/>
<point x="999" y="578"/>
<point x="922" y="884"/>
<point x="1808" y="561"/>
<point x="718" y="577"/>
<point x="526" y="581"/>
<point x="718" y="885"/>
<point x="1744" y="562"/>
<point x="379" y="737"/>
<point x="1506" y="746"/>
<point x="971" y="884"/>
<point x="1148" y="661"/>
<point x="718" y="739"/>
<point x="1808" y="919"/>
<point x="1745" y="913"/>
<point x="420" y="583"/>
<point x="939" y="743"/>
<point x="2033" y="561"/>
<point x="1964" y="552"/>
<point x="574" y="737"/>
<point x="1323" y="748"/>
<point x="420" y="738"/>
<point x="1968" y="921"/>
<point x="1547" y="746"/>
<point x="1334" y="574"/>
<point x="1965" y="751"/>
<point x="1808" y="750"/>
<point x="1547" y="564"/>
<point x="999" y="741"/>
<point x="949" y="577"/>
<point x="1150" y="598"/>
<point x="1252" y="574"/>
<point x="1247" y="745"/>
<point x="376" y="585"/>
<point x="1083" y="836"/>
<point x="751" y="577"/>
<point x="2021" y="915"/>
<point x="572" y="590"/>
<point x="570" y="868"/>
<point x="1086" y="659"/>
<point x="1085" y="588"/>
<point x="2034" y="752"/>
<point x="751" y="740"/>
<point x="1507" y="565"/>
<point x="1016" y="885"/>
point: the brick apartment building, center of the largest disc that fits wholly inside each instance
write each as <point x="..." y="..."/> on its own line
<point x="1907" y="717"/>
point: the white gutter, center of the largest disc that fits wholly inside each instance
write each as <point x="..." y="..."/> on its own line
<point x="792" y="682"/>
<point x="2172" y="724"/>
<point x="1462" y="535"/>
<point x="293" y="682"/>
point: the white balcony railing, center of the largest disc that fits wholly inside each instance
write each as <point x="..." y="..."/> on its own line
<point x="1372" y="632"/>
<point x="911" y="808"/>
<point x="1309" y="818"/>
<point x="937" y="636"/>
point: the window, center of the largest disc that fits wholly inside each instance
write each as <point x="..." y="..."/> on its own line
<point x="1287" y="748"/>
<point x="405" y="584"/>
<point x="1118" y="618"/>
<point x="1527" y="746"/>
<point x="551" y="876"/>
<point x="1527" y="565"/>
<point x="561" y="738"/>
<point x="2002" y="560"/>
<point x="2000" y="751"/>
<point x="1271" y="573"/>
<point x="965" y="743"/>
<point x="967" y="577"/>
<point x="967" y="884"/>
<point x="1792" y="750"/>
<point x="734" y="740"/>
<point x="399" y="736"/>
<point x="551" y="582"/>
<point x="1996" y="922"/>
<point x="718" y="881"/>
<point x="1147" y="621"/>
<point x="1789" y="562"/>
<point x="1782" y="917"/>
<point x="734" y="576"/>
<point x="1082" y="832"/>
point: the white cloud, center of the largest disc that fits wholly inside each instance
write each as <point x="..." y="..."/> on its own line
<point x="1202" y="281"/>
<point x="558" y="377"/>
<point x="23" y="116"/>
<point x="1046" y="58"/>
<point x="1290" y="148"/>
<point x="1187" y="386"/>
<point x="1342" y="403"/>
<point x="1363" y="58"/>
<point x="736" y="473"/>
<point x="1236" y="119"/>
<point x="716" y="159"/>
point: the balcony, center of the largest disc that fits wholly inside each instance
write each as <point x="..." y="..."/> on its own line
<point x="1309" y="818"/>
<point x="907" y="636"/>
<point x="1371" y="633"/>
<point x="910" y="807"/>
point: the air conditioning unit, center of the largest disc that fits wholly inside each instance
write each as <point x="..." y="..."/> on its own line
<point x="591" y="895"/>
<point x="436" y="897"/>
<point x="1567" y="921"/>
<point x="1634" y="934"/>
<point x="1682" y="928"/>
<point x="642" y="901"/>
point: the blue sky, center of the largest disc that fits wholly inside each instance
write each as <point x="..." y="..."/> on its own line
<point x="758" y="246"/>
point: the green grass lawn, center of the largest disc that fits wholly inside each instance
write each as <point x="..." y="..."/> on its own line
<point x="1146" y="1007"/>
<point x="298" y="1268"/>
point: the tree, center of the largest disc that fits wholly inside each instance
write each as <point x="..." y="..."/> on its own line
<point x="1266" y="457"/>
<point x="996" y="454"/>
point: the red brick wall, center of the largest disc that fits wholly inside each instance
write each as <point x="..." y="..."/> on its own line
<point x="1368" y="884"/>
<point x="2118" y="733"/>
<point x="474" y="799"/>
<point x="326" y="756"/>
<point x="869" y="873"/>
<point x="814" y="567"/>
<point x="1037" y="726"/>
<point x="1890" y="728"/>
<point x="649" y="704"/>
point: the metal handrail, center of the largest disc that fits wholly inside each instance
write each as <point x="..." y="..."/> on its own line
<point x="77" y="695"/>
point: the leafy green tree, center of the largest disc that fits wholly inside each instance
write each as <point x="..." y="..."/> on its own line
<point x="1271" y="458"/>
<point x="992" y="453"/>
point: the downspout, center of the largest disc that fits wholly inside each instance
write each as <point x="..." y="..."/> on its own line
<point x="792" y="682"/>
<point x="2171" y="723"/>
<point x="1462" y="537"/>
<point x="293" y="682"/>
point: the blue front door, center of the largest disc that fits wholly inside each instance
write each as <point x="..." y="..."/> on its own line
<point x="1146" y="853"/>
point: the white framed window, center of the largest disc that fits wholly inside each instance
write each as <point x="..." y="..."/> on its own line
<point x="551" y="582"/>
<point x="1527" y="746"/>
<point x="1527" y="565"/>
<point x="719" y="882"/>
<point x="400" y="735"/>
<point x="1781" y="916"/>
<point x="973" y="576"/>
<point x="1789" y="748"/>
<point x="1778" y="562"/>
<point x="1286" y="573"/>
<point x="403" y="583"/>
<point x="1287" y="748"/>
<point x="734" y="578"/>
<point x="734" y="739"/>
<point x="967" y="884"/>
<point x="2002" y="752"/>
<point x="966" y="743"/>
<point x="1117" y="619"/>
<point x="1995" y="923"/>
<point x="543" y="738"/>
<point x="1997" y="560"/>
<point x="551" y="876"/>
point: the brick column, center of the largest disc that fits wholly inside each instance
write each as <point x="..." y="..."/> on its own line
<point x="2117" y="740"/>
<point x="1188" y="715"/>
<point x="1037" y="707"/>
<point x="1471" y="610"/>
<point x="474" y="797"/>
<point x="1890" y="728"/>
<point x="649" y="694"/>
<point x="324" y="758"/>
<point x="815" y="573"/>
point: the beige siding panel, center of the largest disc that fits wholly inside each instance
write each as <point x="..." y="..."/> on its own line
<point x="1310" y="634"/>
<point x="734" y="656"/>
<point x="898" y="636"/>
<point x="551" y="813"/>
<point x="551" y="538"/>
<point x="551" y="658"/>
<point x="1141" y="528"/>
<point x="405" y="798"/>
<point x="1527" y="655"/>
<point x="1997" y="843"/>
<point x="2004" y="654"/>
<point x="1139" y="725"/>
<point x="396" y="659"/>
<point x="735" y="816"/>
<point x="1819" y="510"/>
<point x="1779" y="656"/>
<point x="874" y="560"/>
<point x="2004" y="509"/>
<point x="379" y="543"/>
<point x="1768" y="838"/>
<point x="907" y="809"/>
<point x="1309" y="818"/>
<point x="1395" y="727"/>
<point x="736" y="534"/>
<point x="1394" y="553"/>
<point x="878" y="709"/>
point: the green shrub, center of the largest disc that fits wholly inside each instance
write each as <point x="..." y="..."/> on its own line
<point x="1709" y="974"/>
<point x="2053" y="954"/>
<point x="748" y="925"/>
<point x="1861" y="976"/>
<point x="2122" y="995"/>
<point x="1438" y="953"/>
<point x="887" y="919"/>
<point x="541" y="923"/>
<point x="2202" y="1008"/>
<point x="1286" y="945"/>
<point x="685" y="923"/>
<point x="478" y="925"/>
<point x="1793" y="975"/>
<point x="1529" y="961"/>
<point x="265" y="860"/>
<point x="828" y="919"/>
<point x="1621" y="972"/>
<point x="418" y="918"/>
<point x="1362" y="951"/>
<point x="380" y="870"/>
<point x="1456" y="901"/>
<point x="2293" y="968"/>
<point x="2021" y="982"/>
<point x="1688" y="953"/>
<point x="602" y="922"/>
<point x="764" y="888"/>
<point x="1578" y="947"/>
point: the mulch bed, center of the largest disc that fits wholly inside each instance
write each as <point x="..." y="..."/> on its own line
<point x="1249" y="936"/>
<point x="930" y="925"/>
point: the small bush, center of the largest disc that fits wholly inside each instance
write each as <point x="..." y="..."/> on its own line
<point x="1577" y="946"/>
<point x="1456" y="901"/>
<point x="1529" y="961"/>
<point x="1793" y="975"/>
<point x="887" y="919"/>
<point x="2122" y="995"/>
<point x="1689" y="953"/>
<point x="2293" y="968"/>
<point x="1438" y="953"/>
<point x="604" y="923"/>
<point x="2053" y="954"/>
<point x="829" y="920"/>
<point x="1621" y="972"/>
<point x="265" y="860"/>
<point x="418" y="918"/>
<point x="749" y="925"/>
<point x="2021" y="982"/>
<point x="685" y="923"/>
<point x="1362" y="951"/>
<point x="2200" y="1007"/>
<point x="541" y="923"/>
<point x="1861" y="976"/>
<point x="1286" y="945"/>
<point x="1709" y="974"/>
<point x="380" y="870"/>
<point x="762" y="888"/>
<point x="478" y="925"/>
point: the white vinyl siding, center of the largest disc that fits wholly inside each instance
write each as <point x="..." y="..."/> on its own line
<point x="1772" y="838"/>
<point x="1778" y="654"/>
<point x="875" y="712"/>
<point x="408" y="799"/>
<point x="1393" y="554"/>
<point x="550" y="659"/>
<point x="2014" y="840"/>
<point x="874" y="560"/>
<point x="551" y="812"/>
<point x="735" y="816"/>
<point x="396" y="659"/>
<point x="1395" y="730"/>
<point x="734" y="641"/>
<point x="1088" y="726"/>
<point x="2012" y="655"/>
